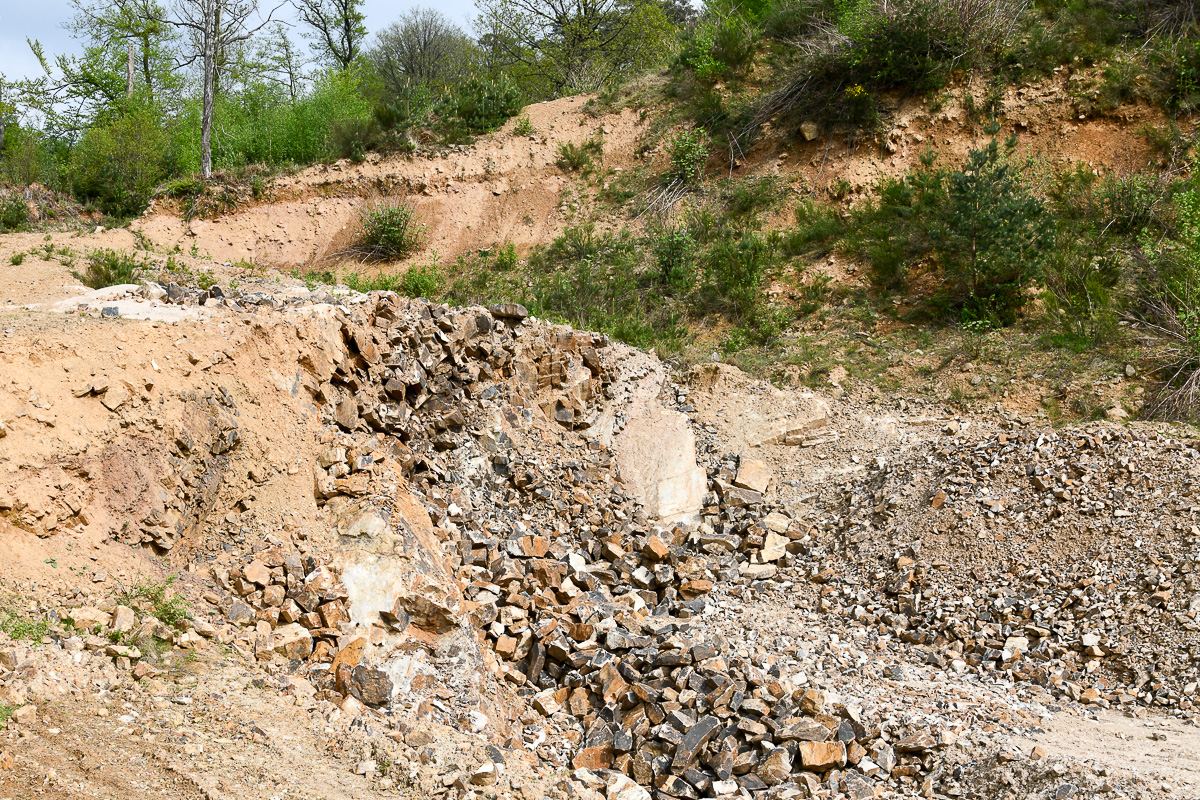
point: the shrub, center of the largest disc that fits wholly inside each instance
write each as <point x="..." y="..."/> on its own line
<point x="261" y="123"/>
<point x="893" y="232"/>
<point x="1175" y="64"/>
<point x="14" y="214"/>
<point x="851" y="55"/>
<point x="792" y="20"/>
<point x="20" y="627"/>
<point x="411" y="109"/>
<point x="597" y="282"/>
<point x="506" y="257"/>
<point x="353" y="138"/>
<point x="1080" y="283"/>
<point x="579" y="158"/>
<point x="818" y="227"/>
<point x="17" y="259"/>
<point x="524" y="126"/>
<point x="674" y="252"/>
<point x="170" y="611"/>
<point x="107" y="267"/>
<point x="720" y="47"/>
<point x="744" y="199"/>
<point x="688" y="151"/>
<point x="734" y="269"/>
<point x="118" y="162"/>
<point x="388" y="230"/>
<point x="1168" y="302"/>
<point x="423" y="281"/>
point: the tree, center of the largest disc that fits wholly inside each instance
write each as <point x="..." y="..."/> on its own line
<point x="215" y="26"/>
<point x="994" y="237"/>
<point x="573" y="45"/>
<point x="337" y="28"/>
<point x="148" y="43"/>
<point x="280" y="63"/>
<point x="5" y="110"/>
<point x="422" y="47"/>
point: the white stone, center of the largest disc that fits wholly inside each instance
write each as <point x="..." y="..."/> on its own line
<point x="621" y="787"/>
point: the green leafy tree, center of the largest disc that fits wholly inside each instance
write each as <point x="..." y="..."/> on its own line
<point x="994" y="237"/>
<point x="555" y="47"/>
<point x="336" y="28"/>
<point x="129" y="31"/>
<point x="213" y="28"/>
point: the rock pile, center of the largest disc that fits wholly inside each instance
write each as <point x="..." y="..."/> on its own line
<point x="1090" y="587"/>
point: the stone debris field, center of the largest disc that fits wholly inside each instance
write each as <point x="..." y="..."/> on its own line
<point x="281" y="543"/>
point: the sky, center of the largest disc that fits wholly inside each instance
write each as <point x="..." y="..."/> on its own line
<point x="43" y="19"/>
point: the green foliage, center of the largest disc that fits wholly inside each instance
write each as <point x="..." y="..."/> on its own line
<point x="524" y="126"/>
<point x="1176" y="72"/>
<point x="171" y="611"/>
<point x="481" y="105"/>
<point x="261" y="124"/>
<point x="579" y="158"/>
<point x="388" y="231"/>
<point x="1169" y="302"/>
<point x="818" y="228"/>
<point x="719" y="48"/>
<point x="120" y="161"/>
<point x="1080" y="289"/>
<point x="674" y="251"/>
<point x="688" y="151"/>
<point x="746" y="199"/>
<point x="353" y="138"/>
<point x="734" y="270"/>
<point x="27" y="158"/>
<point x="506" y="257"/>
<point x="893" y="232"/>
<point x="596" y="281"/>
<point x="555" y="49"/>
<point x="6" y="712"/>
<point x="16" y="259"/>
<point x="14" y="214"/>
<point x="980" y="226"/>
<point x="21" y="627"/>
<point x="993" y="239"/>
<point x="107" y="267"/>
<point x="418" y="281"/>
<point x="410" y="109"/>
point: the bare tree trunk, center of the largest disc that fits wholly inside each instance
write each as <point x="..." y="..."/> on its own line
<point x="129" y="69"/>
<point x="2" y="116"/>
<point x="210" y="54"/>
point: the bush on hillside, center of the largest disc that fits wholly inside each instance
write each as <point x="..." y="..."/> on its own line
<point x="481" y="105"/>
<point x="579" y="157"/>
<point x="688" y="152"/>
<point x="107" y="267"/>
<point x="388" y="230"/>
<point x="119" y="162"/>
<point x="14" y="214"/>
<point x="1168" y="303"/>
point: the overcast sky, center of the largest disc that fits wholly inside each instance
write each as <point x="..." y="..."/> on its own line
<point x="43" y="19"/>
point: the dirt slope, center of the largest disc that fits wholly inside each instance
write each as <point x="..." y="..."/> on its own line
<point x="508" y="188"/>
